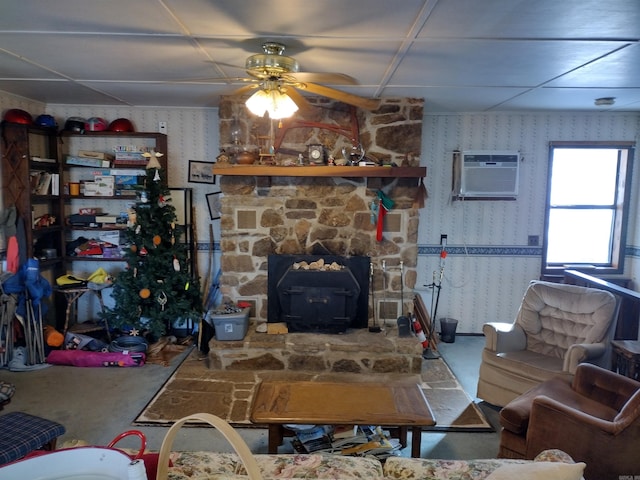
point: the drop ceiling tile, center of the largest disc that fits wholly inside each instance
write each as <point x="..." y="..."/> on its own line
<point x="621" y="69"/>
<point x="508" y="63"/>
<point x="62" y="91"/>
<point x="540" y="19"/>
<point x="456" y="99"/>
<point x="579" y="99"/>
<point x="118" y="57"/>
<point x="80" y="16"/>
<point x="328" y="18"/>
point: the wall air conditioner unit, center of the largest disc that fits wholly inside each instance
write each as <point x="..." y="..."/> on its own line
<point x="487" y="174"/>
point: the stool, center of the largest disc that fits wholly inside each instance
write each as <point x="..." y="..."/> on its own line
<point x="626" y="358"/>
<point x="72" y="295"/>
<point x="23" y="433"/>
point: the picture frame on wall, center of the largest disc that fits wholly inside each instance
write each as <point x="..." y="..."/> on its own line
<point x="201" y="172"/>
<point x="213" y="202"/>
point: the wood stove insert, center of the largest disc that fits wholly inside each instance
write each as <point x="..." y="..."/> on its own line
<point x="325" y="301"/>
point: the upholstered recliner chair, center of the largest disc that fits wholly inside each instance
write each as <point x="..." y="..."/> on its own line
<point x="595" y="418"/>
<point x="557" y="327"/>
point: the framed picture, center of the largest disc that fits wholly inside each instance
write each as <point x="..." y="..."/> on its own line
<point x="213" y="202"/>
<point x="201" y="172"/>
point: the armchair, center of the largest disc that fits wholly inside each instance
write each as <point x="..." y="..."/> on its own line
<point x="557" y="327"/>
<point x="595" y="418"/>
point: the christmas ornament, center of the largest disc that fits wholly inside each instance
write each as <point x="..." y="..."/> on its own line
<point x="162" y="299"/>
<point x="153" y="159"/>
<point x="138" y="229"/>
<point x="176" y="264"/>
<point x="156" y="177"/>
<point x="144" y="293"/>
<point x="143" y="197"/>
<point x="144" y="252"/>
<point x="134" y="332"/>
<point x="134" y="248"/>
<point x="161" y="201"/>
<point x="157" y="240"/>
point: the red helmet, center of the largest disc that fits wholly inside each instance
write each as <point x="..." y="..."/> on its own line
<point x="95" y="124"/>
<point x="121" y="125"/>
<point x="15" y="115"/>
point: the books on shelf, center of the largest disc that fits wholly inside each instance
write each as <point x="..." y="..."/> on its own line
<point x="87" y="162"/>
<point x="132" y="155"/>
<point x="43" y="160"/>
<point x="40" y="183"/>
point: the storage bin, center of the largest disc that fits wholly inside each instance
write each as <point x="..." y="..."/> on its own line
<point x="231" y="326"/>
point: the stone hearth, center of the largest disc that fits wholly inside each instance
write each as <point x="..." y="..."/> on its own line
<point x="355" y="351"/>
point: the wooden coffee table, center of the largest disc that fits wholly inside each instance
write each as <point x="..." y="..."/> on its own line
<point x="328" y="403"/>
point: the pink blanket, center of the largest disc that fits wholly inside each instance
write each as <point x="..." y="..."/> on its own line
<point x="83" y="358"/>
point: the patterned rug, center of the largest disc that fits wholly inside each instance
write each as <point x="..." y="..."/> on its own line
<point x="195" y="388"/>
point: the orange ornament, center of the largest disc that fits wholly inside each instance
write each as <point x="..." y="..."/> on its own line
<point x="134" y="248"/>
<point x="157" y="240"/>
<point x="145" y="293"/>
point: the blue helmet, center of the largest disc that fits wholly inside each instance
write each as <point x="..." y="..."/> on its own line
<point x="45" y="120"/>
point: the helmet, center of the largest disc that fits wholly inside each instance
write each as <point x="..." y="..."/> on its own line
<point x="15" y="115"/>
<point x="121" y="125"/>
<point x="74" y="124"/>
<point x="95" y="124"/>
<point x="45" y="121"/>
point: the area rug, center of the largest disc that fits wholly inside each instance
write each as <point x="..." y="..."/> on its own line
<point x="194" y="388"/>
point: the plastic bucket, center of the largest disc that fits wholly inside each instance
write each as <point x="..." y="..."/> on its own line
<point x="448" y="329"/>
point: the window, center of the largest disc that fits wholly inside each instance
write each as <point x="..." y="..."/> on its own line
<point x="587" y="206"/>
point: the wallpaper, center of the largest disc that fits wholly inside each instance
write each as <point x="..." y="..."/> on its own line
<point x="489" y="262"/>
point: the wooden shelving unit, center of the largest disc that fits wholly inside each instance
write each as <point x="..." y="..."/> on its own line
<point x="319" y="171"/>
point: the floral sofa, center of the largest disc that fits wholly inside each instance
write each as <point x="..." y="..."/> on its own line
<point x="211" y="465"/>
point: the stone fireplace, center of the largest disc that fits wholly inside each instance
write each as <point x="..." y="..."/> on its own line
<point x="263" y="216"/>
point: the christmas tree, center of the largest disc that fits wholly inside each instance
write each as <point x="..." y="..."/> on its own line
<point x="156" y="288"/>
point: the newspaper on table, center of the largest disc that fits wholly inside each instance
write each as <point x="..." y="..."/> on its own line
<point x="360" y="440"/>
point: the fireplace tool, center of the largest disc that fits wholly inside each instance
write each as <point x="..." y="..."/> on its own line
<point x="436" y="285"/>
<point x="375" y="328"/>
<point x="404" y="323"/>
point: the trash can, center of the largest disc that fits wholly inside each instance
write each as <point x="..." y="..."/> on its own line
<point x="448" y="329"/>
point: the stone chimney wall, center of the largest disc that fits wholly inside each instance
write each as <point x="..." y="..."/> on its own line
<point x="261" y="216"/>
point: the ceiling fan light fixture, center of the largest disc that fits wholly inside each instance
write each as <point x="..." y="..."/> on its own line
<point x="276" y="103"/>
<point x="272" y="62"/>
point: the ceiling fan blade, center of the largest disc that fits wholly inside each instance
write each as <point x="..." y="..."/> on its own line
<point x="245" y="90"/>
<point x="355" y="100"/>
<point x="320" y="77"/>
<point x="302" y="103"/>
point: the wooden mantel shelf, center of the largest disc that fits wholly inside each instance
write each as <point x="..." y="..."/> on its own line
<point x="319" y="171"/>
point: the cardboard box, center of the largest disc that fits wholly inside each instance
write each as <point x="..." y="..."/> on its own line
<point x="98" y="155"/>
<point x="231" y="326"/>
<point x="87" y="162"/>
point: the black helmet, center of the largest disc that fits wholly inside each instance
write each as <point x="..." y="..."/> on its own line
<point x="75" y="124"/>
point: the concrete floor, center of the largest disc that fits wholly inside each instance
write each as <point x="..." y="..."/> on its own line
<point x="97" y="404"/>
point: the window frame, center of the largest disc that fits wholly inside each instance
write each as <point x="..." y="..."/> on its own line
<point x="621" y="208"/>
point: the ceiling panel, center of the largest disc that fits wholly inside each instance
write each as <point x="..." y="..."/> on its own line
<point x="57" y="92"/>
<point x="296" y="18"/>
<point x="620" y="69"/>
<point x="575" y="99"/>
<point x="493" y="62"/>
<point x="539" y="19"/>
<point x="460" y="55"/>
<point x="119" y="57"/>
<point x="115" y="16"/>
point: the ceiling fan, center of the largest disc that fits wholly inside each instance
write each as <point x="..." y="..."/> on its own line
<point x="276" y="73"/>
